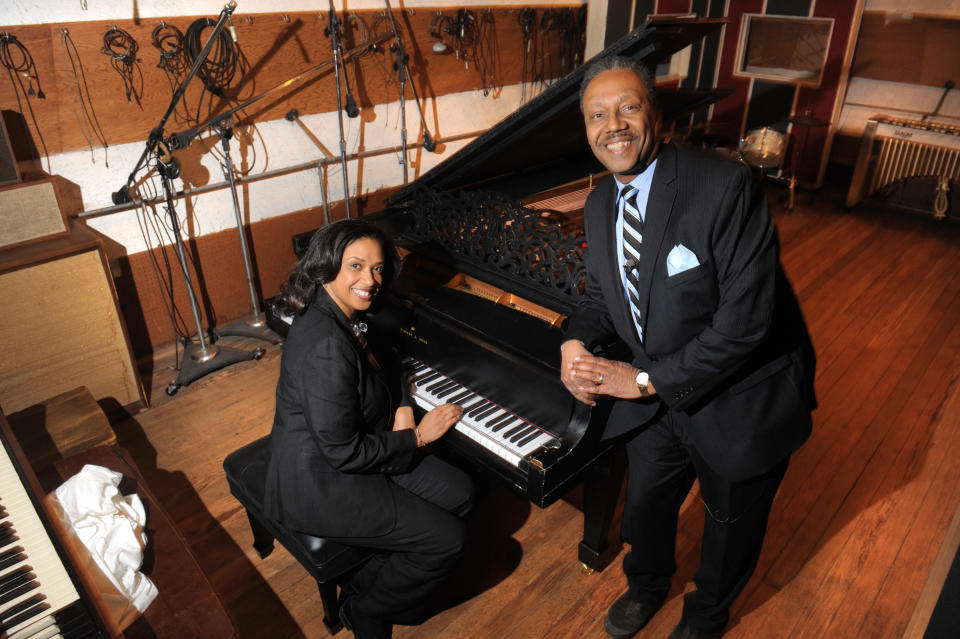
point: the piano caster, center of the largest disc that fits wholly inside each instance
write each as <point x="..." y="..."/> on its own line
<point x="258" y="353"/>
<point x="173" y="387"/>
<point x="586" y="570"/>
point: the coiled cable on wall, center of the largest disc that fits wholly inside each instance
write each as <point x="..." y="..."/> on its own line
<point x="168" y="40"/>
<point x="122" y="49"/>
<point x="16" y="58"/>
<point x="220" y="68"/>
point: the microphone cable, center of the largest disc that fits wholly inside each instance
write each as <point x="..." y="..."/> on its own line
<point x="528" y="71"/>
<point x="122" y="49"/>
<point x="80" y="92"/>
<point x="168" y="40"/>
<point x="16" y="58"/>
<point x="220" y="68"/>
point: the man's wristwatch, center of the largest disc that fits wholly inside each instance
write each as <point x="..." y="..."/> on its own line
<point x="643" y="382"/>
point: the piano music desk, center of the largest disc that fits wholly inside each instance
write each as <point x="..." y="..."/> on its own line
<point x="186" y="606"/>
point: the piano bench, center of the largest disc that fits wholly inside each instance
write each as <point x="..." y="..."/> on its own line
<point x="328" y="562"/>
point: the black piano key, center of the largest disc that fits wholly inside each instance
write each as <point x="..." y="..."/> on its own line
<point x="12" y="557"/>
<point x="426" y="377"/>
<point x="529" y="438"/>
<point x="510" y="422"/>
<point x="456" y="399"/>
<point x="484" y="419"/>
<point x="522" y="433"/>
<point x="74" y="621"/>
<point x="7" y="535"/>
<point x="493" y="423"/>
<point x="487" y="412"/>
<point x="19" y="591"/>
<point x="478" y="407"/>
<point x="446" y="391"/>
<point x="436" y="385"/>
<point x="513" y="431"/>
<point x="468" y="406"/>
<point x="13" y="575"/>
<point x="15" y="610"/>
<point x="417" y="367"/>
<point x="38" y="607"/>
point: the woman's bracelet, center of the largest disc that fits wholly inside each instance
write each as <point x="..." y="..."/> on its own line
<point x="416" y="430"/>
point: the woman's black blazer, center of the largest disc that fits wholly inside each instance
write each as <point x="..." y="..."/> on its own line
<point x="331" y="446"/>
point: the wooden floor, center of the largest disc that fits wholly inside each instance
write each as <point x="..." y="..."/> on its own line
<point x="860" y="531"/>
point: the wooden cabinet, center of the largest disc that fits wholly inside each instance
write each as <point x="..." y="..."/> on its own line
<point x="61" y="325"/>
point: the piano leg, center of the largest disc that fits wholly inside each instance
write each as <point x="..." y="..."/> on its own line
<point x="601" y="493"/>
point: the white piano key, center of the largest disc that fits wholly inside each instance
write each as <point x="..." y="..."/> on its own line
<point x="432" y="389"/>
<point x="42" y="557"/>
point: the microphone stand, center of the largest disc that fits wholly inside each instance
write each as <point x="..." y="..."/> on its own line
<point x="333" y="31"/>
<point x="200" y="358"/>
<point x="402" y="67"/>
<point x="255" y="325"/>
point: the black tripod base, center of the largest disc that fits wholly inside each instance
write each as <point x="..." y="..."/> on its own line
<point x="196" y="364"/>
<point x="250" y="327"/>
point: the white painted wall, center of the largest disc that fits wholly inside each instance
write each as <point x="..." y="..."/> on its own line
<point x="278" y="143"/>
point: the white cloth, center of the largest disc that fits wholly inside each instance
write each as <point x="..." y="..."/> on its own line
<point x="681" y="259"/>
<point x="110" y="525"/>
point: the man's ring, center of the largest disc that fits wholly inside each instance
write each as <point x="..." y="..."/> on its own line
<point x="600" y="381"/>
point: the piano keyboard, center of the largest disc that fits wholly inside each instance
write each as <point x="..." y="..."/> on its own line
<point x="37" y="596"/>
<point x="504" y="434"/>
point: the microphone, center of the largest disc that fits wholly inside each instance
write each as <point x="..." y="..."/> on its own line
<point x="352" y="109"/>
<point x="428" y="142"/>
<point x="630" y="264"/>
<point x="122" y="196"/>
<point x="181" y="140"/>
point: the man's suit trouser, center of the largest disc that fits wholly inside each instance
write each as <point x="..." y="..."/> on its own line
<point x="423" y="546"/>
<point x="662" y="466"/>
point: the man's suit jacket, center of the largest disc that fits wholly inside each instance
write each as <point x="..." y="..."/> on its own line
<point x="724" y="341"/>
<point x="331" y="446"/>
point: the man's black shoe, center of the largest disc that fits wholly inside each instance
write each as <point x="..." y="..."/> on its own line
<point x="627" y="616"/>
<point x="686" y="631"/>
<point x="361" y="626"/>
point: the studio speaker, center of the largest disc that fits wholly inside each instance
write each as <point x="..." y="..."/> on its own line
<point x="29" y="212"/>
<point x="62" y="326"/>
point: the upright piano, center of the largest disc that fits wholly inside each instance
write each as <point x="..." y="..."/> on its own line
<point x="492" y="242"/>
<point x="41" y="592"/>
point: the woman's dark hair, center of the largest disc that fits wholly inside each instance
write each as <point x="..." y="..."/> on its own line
<point x="321" y="262"/>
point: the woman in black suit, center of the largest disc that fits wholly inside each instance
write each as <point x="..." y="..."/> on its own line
<point x="346" y="454"/>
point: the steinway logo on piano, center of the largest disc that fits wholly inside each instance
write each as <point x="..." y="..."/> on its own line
<point x="409" y="333"/>
<point x="902" y="133"/>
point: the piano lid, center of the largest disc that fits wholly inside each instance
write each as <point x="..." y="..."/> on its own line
<point x="543" y="144"/>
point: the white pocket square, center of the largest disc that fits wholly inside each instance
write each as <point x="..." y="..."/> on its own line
<point x="680" y="259"/>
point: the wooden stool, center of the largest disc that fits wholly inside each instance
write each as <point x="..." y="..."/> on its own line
<point x="328" y="562"/>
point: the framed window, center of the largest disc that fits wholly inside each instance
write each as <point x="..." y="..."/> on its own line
<point x="783" y="48"/>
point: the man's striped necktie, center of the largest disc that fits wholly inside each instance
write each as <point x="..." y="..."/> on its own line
<point x="632" y="239"/>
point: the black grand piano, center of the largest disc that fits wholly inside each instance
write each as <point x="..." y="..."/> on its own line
<point x="493" y="241"/>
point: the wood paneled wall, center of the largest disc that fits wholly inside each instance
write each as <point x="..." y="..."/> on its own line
<point x="274" y="48"/>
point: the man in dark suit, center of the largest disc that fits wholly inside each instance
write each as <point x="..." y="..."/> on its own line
<point x="683" y="266"/>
